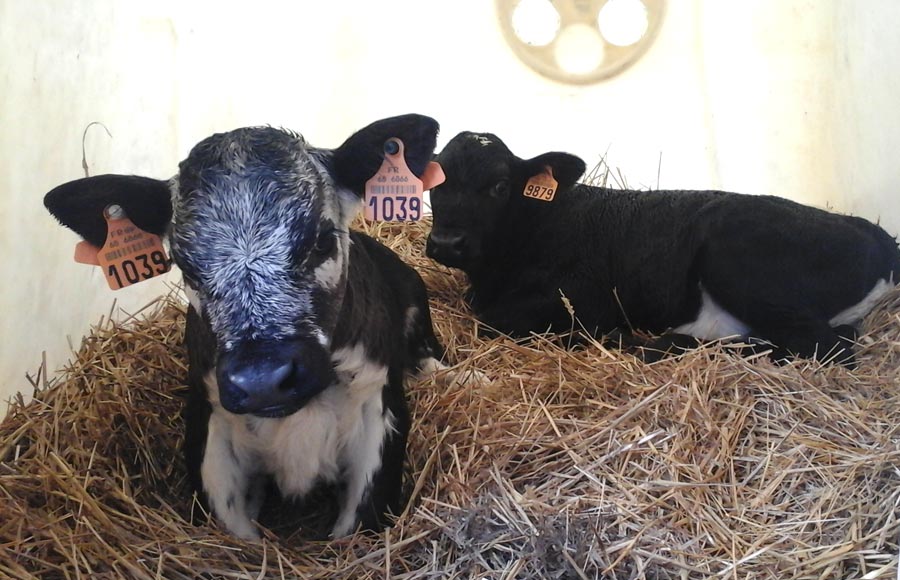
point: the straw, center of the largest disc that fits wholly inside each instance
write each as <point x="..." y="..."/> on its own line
<point x="582" y="463"/>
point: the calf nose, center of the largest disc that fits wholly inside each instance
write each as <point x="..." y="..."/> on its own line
<point x="270" y="379"/>
<point x="258" y="385"/>
<point x="445" y="244"/>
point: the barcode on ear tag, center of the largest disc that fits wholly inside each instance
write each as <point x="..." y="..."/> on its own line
<point x="130" y="255"/>
<point x="394" y="194"/>
<point x="541" y="186"/>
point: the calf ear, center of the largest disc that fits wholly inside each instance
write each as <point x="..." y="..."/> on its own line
<point x="360" y="157"/>
<point x="79" y="204"/>
<point x="566" y="167"/>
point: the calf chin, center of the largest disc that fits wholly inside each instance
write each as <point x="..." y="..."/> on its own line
<point x="272" y="378"/>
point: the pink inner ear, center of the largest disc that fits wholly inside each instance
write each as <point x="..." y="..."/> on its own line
<point x="86" y="253"/>
<point x="433" y="175"/>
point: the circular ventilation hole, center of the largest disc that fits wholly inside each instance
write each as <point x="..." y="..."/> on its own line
<point x="535" y="22"/>
<point x="579" y="49"/>
<point x="623" y="22"/>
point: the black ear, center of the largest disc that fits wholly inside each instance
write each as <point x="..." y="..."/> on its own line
<point x="360" y="157"/>
<point x="567" y="168"/>
<point x="79" y="204"/>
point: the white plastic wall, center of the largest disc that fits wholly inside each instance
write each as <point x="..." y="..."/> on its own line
<point x="792" y="97"/>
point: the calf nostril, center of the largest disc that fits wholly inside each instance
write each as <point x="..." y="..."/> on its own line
<point x="451" y="241"/>
<point x="290" y="376"/>
<point x="252" y="378"/>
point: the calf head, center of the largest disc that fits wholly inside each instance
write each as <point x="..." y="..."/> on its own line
<point x="483" y="189"/>
<point x="258" y="221"/>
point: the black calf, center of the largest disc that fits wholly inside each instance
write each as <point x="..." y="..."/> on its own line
<point x="707" y="264"/>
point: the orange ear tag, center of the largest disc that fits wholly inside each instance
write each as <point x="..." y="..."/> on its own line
<point x="130" y="255"/>
<point x="86" y="253"/>
<point x="433" y="175"/>
<point x="394" y="194"/>
<point x="541" y="186"/>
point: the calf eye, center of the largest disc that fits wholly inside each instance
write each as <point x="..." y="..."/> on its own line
<point x="326" y="241"/>
<point x="500" y="190"/>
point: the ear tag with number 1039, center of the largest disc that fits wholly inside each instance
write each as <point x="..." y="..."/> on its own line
<point x="394" y="194"/>
<point x="129" y="255"/>
<point x="541" y="186"/>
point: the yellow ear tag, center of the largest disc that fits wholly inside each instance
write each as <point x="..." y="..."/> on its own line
<point x="541" y="186"/>
<point x="130" y="255"/>
<point x="394" y="194"/>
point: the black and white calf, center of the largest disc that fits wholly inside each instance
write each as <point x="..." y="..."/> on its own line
<point x="299" y="331"/>
<point x="707" y="264"/>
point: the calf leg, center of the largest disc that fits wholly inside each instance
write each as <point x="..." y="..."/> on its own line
<point x="233" y="491"/>
<point x="373" y="462"/>
<point x="424" y="349"/>
<point x="422" y="345"/>
<point x="809" y="338"/>
<point x="777" y="316"/>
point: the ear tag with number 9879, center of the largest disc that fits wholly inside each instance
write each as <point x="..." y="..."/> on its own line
<point x="129" y="255"/>
<point x="394" y="194"/>
<point x="541" y="186"/>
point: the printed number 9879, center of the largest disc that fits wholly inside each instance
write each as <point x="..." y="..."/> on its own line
<point x="539" y="192"/>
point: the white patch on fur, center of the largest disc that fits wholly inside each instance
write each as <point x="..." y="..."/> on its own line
<point x="856" y="312"/>
<point x="484" y="141"/>
<point x="347" y="205"/>
<point x="412" y="316"/>
<point x="390" y="422"/>
<point x="174" y="189"/>
<point x="192" y="297"/>
<point x="363" y="377"/>
<point x="321" y="337"/>
<point x="342" y="430"/>
<point x="431" y="365"/>
<point x="361" y="460"/>
<point x="245" y="248"/>
<point x="228" y="470"/>
<point x="329" y="273"/>
<point x="713" y="322"/>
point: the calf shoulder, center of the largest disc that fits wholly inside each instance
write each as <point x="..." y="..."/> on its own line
<point x="385" y="307"/>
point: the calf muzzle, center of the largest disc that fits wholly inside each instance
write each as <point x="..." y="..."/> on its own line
<point x="272" y="378"/>
<point x="447" y="247"/>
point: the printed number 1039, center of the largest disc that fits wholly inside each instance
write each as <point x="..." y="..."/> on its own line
<point x="140" y="268"/>
<point x="398" y="208"/>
